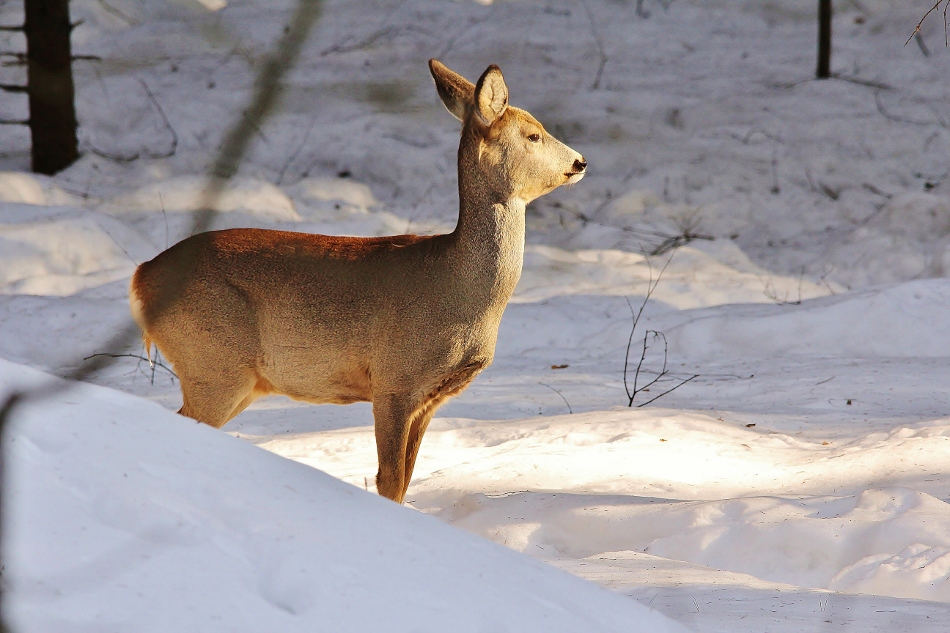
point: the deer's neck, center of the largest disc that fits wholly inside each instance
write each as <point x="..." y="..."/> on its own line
<point x="489" y="237"/>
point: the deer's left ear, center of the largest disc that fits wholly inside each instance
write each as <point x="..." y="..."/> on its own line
<point x="491" y="96"/>
<point x="454" y="89"/>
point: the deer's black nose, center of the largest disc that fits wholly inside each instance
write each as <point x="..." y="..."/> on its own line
<point x="580" y="165"/>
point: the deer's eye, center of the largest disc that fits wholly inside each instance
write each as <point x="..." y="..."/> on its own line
<point x="534" y="138"/>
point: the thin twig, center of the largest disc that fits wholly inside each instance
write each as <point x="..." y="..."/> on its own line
<point x="117" y="158"/>
<point x="164" y="216"/>
<point x="643" y="404"/>
<point x="663" y="371"/>
<point x="600" y="46"/>
<point x="293" y="156"/>
<point x="771" y="292"/>
<point x="932" y="9"/>
<point x="168" y="125"/>
<point x="870" y="83"/>
<point x="667" y="242"/>
<point x="111" y="9"/>
<point x="150" y="361"/>
<point x="367" y="42"/>
<point x="651" y="286"/>
<point x="153" y="364"/>
<point x="654" y="334"/>
<point x="489" y="14"/>
<point x="675" y="241"/>
<point x="383" y="31"/>
<point x="569" y="409"/>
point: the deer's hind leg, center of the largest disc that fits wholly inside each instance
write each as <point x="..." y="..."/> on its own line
<point x="414" y="440"/>
<point x="218" y="395"/>
<point x="450" y="386"/>
<point x="400" y="424"/>
<point x="393" y="415"/>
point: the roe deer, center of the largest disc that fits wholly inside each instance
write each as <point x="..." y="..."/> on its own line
<point x="404" y="321"/>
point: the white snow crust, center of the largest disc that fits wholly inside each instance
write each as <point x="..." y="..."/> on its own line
<point x="799" y="481"/>
<point x="126" y="517"/>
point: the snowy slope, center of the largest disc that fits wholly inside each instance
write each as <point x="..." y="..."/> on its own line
<point x="126" y="517"/>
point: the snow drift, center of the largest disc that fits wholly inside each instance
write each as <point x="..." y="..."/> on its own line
<point x="126" y="517"/>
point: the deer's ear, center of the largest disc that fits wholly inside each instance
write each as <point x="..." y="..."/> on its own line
<point x="455" y="90"/>
<point x="491" y="96"/>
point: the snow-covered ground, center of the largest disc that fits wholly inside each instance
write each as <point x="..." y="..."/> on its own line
<point x="126" y="517"/>
<point x="800" y="481"/>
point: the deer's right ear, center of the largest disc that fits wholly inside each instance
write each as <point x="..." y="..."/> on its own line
<point x="457" y="92"/>
<point x="491" y="96"/>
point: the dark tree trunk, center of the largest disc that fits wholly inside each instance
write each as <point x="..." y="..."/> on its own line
<point x="50" y="85"/>
<point x="824" y="39"/>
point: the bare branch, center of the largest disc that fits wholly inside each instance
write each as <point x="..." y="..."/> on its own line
<point x="119" y="14"/>
<point x="648" y="337"/>
<point x="343" y="47"/>
<point x="932" y="9"/>
<point x="118" y="158"/>
<point x="687" y="226"/>
<point x="663" y="372"/>
<point x="161" y="112"/>
<point x="651" y="286"/>
<point x="600" y="46"/>
<point x="654" y="399"/>
<point x="154" y="364"/>
<point x="898" y="119"/>
<point x="569" y="409"/>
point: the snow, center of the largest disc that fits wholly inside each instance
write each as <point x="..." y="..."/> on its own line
<point x="59" y="251"/>
<point x="800" y="481"/>
<point x="186" y="193"/>
<point x="122" y="510"/>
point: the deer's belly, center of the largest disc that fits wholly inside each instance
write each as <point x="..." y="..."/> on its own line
<point x="319" y="374"/>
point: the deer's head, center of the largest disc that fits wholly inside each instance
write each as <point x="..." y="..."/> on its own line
<point x="513" y="153"/>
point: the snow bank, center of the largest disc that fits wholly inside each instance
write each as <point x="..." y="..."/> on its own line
<point x="808" y="513"/>
<point x="59" y="251"/>
<point x="696" y="276"/>
<point x="647" y="453"/>
<point x="23" y="188"/>
<point x="334" y="198"/>
<point x="891" y="542"/>
<point x="905" y="320"/>
<point x="188" y="193"/>
<point x="56" y="333"/>
<point x="125" y="517"/>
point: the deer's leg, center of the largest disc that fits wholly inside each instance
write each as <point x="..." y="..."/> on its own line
<point x="243" y="404"/>
<point x="218" y="395"/>
<point x="393" y="415"/>
<point x="414" y="441"/>
<point x="450" y="386"/>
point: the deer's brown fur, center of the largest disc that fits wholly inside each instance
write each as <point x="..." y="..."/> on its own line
<point x="404" y="322"/>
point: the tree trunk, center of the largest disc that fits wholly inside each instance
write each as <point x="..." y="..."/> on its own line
<point x="824" y="39"/>
<point x="50" y="85"/>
